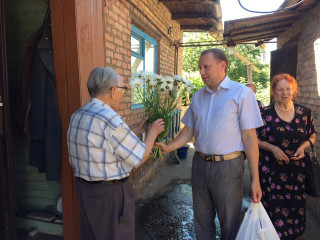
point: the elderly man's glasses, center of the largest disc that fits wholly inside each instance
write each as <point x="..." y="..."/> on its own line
<point x="124" y="89"/>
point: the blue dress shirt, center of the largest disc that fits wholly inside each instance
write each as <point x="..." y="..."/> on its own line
<point x="217" y="118"/>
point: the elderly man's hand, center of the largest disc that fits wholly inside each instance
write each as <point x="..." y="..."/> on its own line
<point x="156" y="127"/>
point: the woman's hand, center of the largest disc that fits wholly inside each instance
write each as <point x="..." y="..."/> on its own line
<point x="298" y="154"/>
<point x="279" y="154"/>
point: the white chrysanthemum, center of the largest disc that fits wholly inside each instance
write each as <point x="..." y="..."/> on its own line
<point x="147" y="75"/>
<point x="168" y="82"/>
<point x="159" y="79"/>
<point x="178" y="78"/>
<point x="138" y="74"/>
<point x="152" y="82"/>
<point x="136" y="82"/>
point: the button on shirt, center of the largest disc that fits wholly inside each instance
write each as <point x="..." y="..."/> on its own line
<point x="217" y="118"/>
<point x="101" y="146"/>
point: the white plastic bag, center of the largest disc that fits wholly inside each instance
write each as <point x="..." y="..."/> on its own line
<point x="257" y="225"/>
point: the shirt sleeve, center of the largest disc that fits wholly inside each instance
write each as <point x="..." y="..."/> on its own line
<point x="249" y="113"/>
<point x="127" y="146"/>
<point x="188" y="117"/>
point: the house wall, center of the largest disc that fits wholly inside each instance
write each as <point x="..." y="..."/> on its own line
<point x="305" y="32"/>
<point x="119" y="15"/>
<point x="32" y="191"/>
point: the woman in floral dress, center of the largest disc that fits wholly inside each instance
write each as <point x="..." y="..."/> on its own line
<point x="288" y="128"/>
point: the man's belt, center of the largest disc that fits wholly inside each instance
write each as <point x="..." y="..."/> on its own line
<point x="105" y="182"/>
<point x="219" y="158"/>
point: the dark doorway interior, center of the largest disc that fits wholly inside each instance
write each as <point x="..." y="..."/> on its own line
<point x="32" y="199"/>
<point x="7" y="219"/>
<point x="284" y="60"/>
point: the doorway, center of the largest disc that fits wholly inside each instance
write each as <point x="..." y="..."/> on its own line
<point x="34" y="198"/>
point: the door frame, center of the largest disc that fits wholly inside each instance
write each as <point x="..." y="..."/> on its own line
<point x="7" y="209"/>
<point x="78" y="46"/>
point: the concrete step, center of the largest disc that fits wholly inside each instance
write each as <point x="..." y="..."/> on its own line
<point x="53" y="226"/>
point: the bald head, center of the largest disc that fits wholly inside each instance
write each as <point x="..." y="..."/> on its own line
<point x="252" y="86"/>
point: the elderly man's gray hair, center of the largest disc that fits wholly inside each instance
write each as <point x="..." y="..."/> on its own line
<point x="101" y="80"/>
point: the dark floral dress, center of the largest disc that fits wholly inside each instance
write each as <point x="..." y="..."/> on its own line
<point x="283" y="184"/>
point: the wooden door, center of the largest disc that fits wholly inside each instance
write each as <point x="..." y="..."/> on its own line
<point x="7" y="215"/>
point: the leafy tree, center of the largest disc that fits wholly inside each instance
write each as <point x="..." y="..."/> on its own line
<point x="237" y="70"/>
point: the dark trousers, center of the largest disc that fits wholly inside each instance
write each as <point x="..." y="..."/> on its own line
<point x="217" y="187"/>
<point x="107" y="210"/>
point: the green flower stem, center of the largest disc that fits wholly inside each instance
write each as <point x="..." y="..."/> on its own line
<point x="157" y="106"/>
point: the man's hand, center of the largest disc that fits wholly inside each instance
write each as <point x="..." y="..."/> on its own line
<point x="156" y="127"/>
<point x="250" y="142"/>
<point x="164" y="147"/>
<point x="256" y="192"/>
<point x="183" y="137"/>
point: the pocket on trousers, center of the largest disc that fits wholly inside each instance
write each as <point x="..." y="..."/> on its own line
<point x="128" y="206"/>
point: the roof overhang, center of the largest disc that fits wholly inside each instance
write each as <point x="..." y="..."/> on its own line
<point x="262" y="29"/>
<point x="197" y="15"/>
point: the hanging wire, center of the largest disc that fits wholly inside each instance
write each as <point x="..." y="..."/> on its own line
<point x="280" y="10"/>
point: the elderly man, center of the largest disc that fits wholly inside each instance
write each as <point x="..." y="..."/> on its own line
<point x="222" y="117"/>
<point x="253" y="87"/>
<point x="103" y="151"/>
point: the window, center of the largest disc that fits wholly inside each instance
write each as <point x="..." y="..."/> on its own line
<point x="143" y="57"/>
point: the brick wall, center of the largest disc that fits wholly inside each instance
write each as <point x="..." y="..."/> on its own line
<point x="144" y="14"/>
<point x="305" y="32"/>
<point x="120" y="14"/>
<point x="32" y="191"/>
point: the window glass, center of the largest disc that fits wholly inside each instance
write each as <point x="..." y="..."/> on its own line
<point x="135" y="45"/>
<point x="136" y="66"/>
<point x="150" y="57"/>
<point x="143" y="58"/>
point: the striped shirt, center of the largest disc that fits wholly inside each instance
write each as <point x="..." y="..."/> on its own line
<point x="101" y="146"/>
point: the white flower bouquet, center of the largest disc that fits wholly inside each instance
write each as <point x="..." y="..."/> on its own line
<point x="157" y="94"/>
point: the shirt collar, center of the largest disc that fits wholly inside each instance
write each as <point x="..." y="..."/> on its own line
<point x="100" y="103"/>
<point x="225" y="84"/>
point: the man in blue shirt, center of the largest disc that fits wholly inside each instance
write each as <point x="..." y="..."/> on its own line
<point x="102" y="152"/>
<point x="223" y="117"/>
<point x="253" y="87"/>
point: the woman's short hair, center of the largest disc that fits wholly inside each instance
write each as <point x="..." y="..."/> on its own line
<point x="101" y="80"/>
<point x="278" y="77"/>
<point x="218" y="54"/>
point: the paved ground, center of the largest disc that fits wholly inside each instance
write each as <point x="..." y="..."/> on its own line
<point x="164" y="208"/>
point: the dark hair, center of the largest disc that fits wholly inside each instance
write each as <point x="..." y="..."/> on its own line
<point x="218" y="54"/>
<point x="278" y="77"/>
